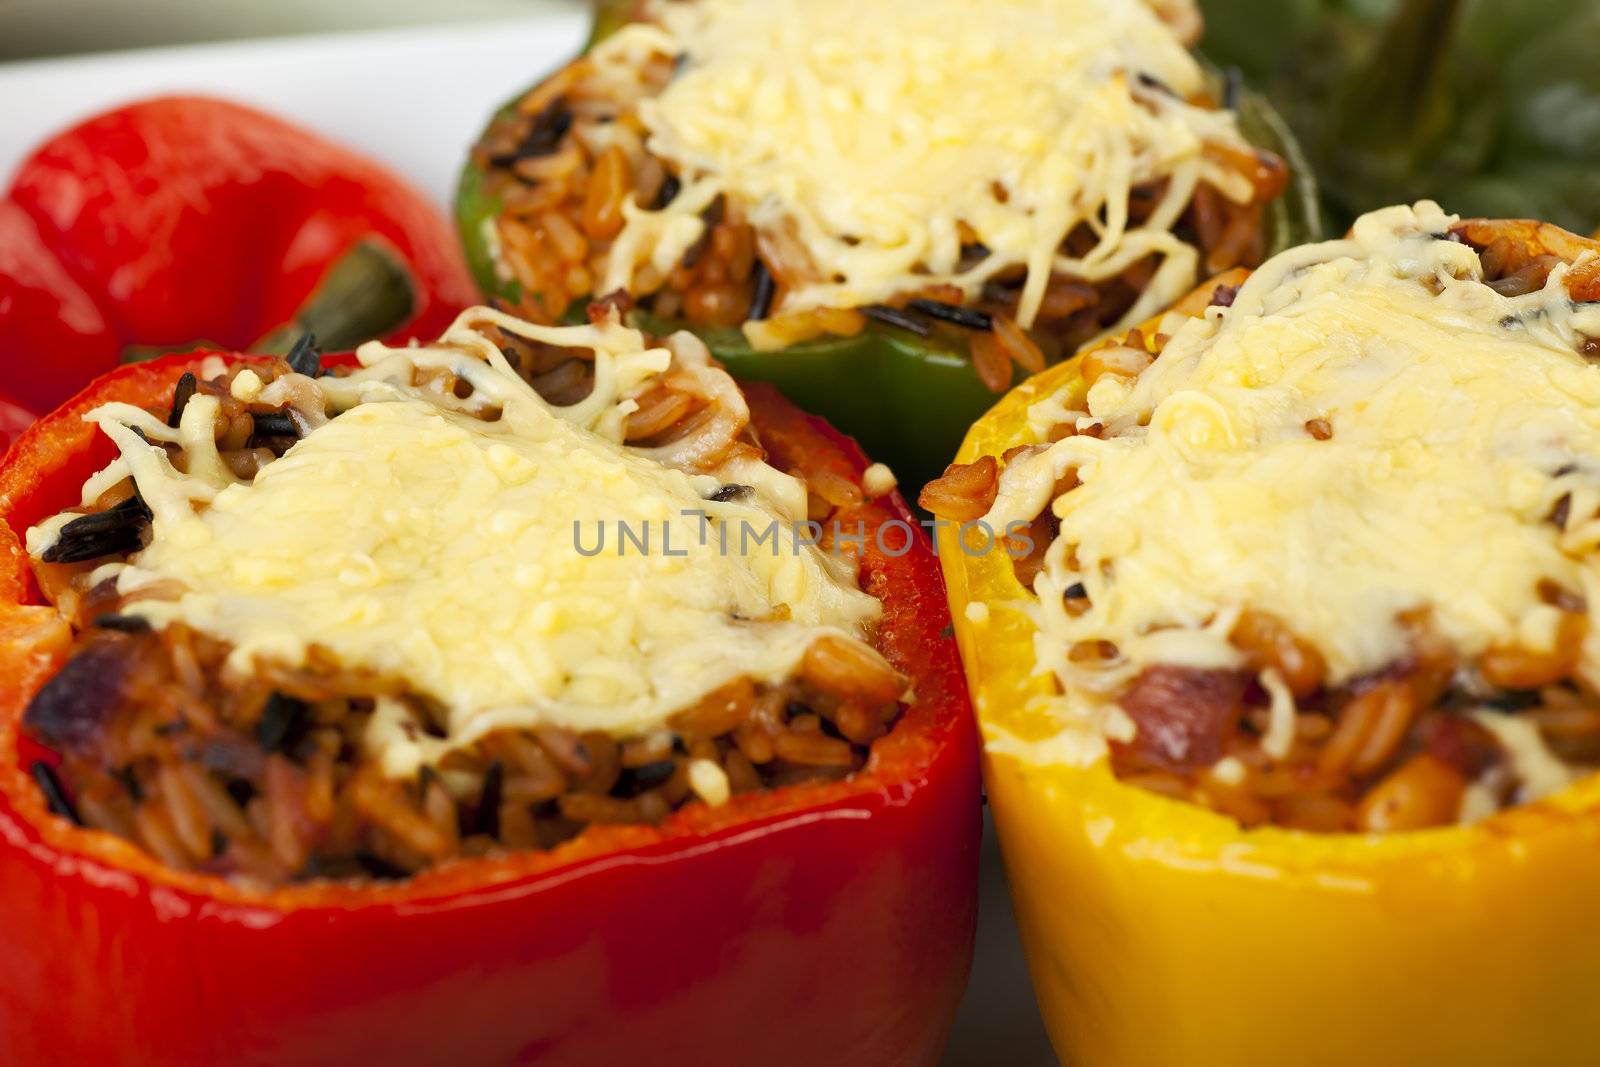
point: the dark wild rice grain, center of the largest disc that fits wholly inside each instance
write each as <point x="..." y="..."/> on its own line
<point x="181" y="397"/>
<point x="305" y="357"/>
<point x="104" y="533"/>
<point x="667" y="193"/>
<point x="952" y="313"/>
<point x="762" y="292"/>
<point x="282" y="723"/>
<point x="1223" y="296"/>
<point x="486" y="819"/>
<point x="128" y="624"/>
<point x="54" y="795"/>
<point x="544" y="136"/>
<point x="377" y="867"/>
<point x="890" y="316"/>
<point x="276" y="424"/>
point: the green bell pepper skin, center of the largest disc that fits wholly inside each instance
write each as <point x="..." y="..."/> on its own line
<point x="907" y="399"/>
<point x="1491" y="108"/>
<point x="609" y="17"/>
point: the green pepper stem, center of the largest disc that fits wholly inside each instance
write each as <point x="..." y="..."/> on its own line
<point x="1394" y="96"/>
<point x="367" y="293"/>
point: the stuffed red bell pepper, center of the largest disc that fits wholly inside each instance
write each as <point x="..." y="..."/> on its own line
<point x="186" y="219"/>
<point x="529" y="697"/>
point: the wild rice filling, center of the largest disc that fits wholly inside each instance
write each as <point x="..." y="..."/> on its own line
<point x="1261" y="728"/>
<point x="574" y="160"/>
<point x="268" y="775"/>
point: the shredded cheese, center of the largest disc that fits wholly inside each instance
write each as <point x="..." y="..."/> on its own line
<point x="479" y="549"/>
<point x="1228" y="770"/>
<point x="1279" y="735"/>
<point x="1537" y="771"/>
<point x="878" y="480"/>
<point x="246" y="386"/>
<point x="709" y="782"/>
<point x="1459" y="419"/>
<point x="866" y="134"/>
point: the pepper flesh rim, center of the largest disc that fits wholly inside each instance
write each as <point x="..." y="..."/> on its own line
<point x="61" y="445"/>
<point x="999" y="661"/>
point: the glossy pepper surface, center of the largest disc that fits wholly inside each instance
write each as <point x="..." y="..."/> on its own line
<point x="185" y="219"/>
<point x="1160" y="933"/>
<point x="907" y="398"/>
<point x="825" y="923"/>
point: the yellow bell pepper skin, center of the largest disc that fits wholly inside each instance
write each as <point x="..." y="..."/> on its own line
<point x="1161" y="934"/>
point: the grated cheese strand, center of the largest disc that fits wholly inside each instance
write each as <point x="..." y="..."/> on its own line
<point x="869" y="132"/>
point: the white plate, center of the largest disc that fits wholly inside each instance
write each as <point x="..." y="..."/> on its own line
<point x="415" y="99"/>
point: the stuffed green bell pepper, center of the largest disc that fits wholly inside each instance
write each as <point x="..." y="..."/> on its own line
<point x="887" y="210"/>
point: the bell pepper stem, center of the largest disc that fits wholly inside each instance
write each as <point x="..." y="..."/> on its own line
<point x="1394" y="96"/>
<point x="367" y="293"/>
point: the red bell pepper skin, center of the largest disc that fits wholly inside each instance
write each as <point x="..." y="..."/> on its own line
<point x="14" y="418"/>
<point x="53" y="335"/>
<point x="185" y="218"/>
<point x="821" y="924"/>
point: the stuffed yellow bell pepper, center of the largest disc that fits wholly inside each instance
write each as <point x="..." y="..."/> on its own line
<point x="1276" y="614"/>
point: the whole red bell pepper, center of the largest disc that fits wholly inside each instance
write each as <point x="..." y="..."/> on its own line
<point x="816" y="924"/>
<point x="186" y="219"/>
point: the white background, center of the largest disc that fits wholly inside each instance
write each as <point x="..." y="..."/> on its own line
<point x="414" y="98"/>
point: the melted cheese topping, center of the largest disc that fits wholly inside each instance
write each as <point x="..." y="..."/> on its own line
<point x="868" y="131"/>
<point x="1538" y="771"/>
<point x="413" y="537"/>
<point x="1459" y="419"/>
